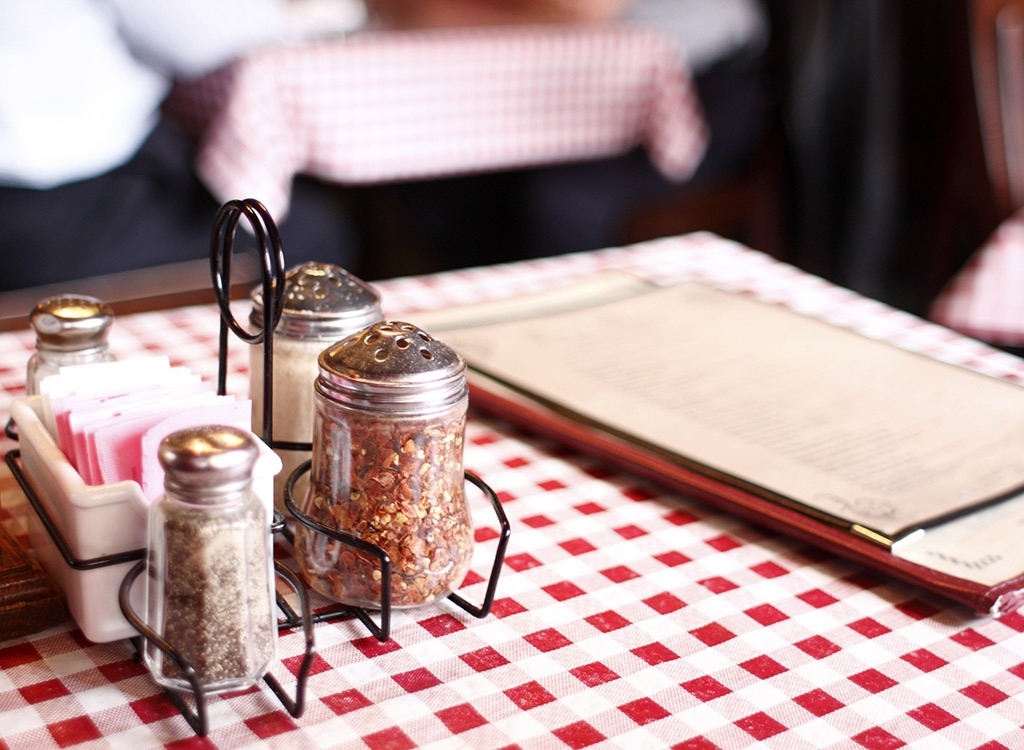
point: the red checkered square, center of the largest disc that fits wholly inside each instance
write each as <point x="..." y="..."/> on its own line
<point x="270" y="724"/>
<point x="918" y="609"/>
<point x="655" y="653"/>
<point x="579" y="735"/>
<point x="74" y="731"/>
<point x="696" y="743"/>
<point x="705" y="688"/>
<point x="547" y="640"/>
<point x="639" y="494"/>
<point x="924" y="660"/>
<point x="529" y="695"/>
<point x="442" y="625"/>
<point x="673" y="559"/>
<point x="817" y="647"/>
<point x="589" y="509"/>
<point x="577" y="546"/>
<point x="760" y="726"/>
<point x="877" y="738"/>
<point x="154" y="708"/>
<point x="817" y="598"/>
<point x="44" y="691"/>
<point x="18" y="654"/>
<point x="972" y="639"/>
<point x="522" y="561"/>
<point x="346" y="701"/>
<point x="607" y="621"/>
<point x="680" y="518"/>
<point x="389" y="739"/>
<point x="506" y="607"/>
<point x="818" y="702"/>
<point x="416" y="679"/>
<point x="718" y="584"/>
<point x="766" y="614"/>
<point x="537" y="522"/>
<point x="620" y="574"/>
<point x="551" y="485"/>
<point x="664" y="603"/>
<point x="630" y="532"/>
<point x="461" y="718"/>
<point x="122" y="670"/>
<point x="371" y="647"/>
<point x="869" y="627"/>
<point x="563" y="591"/>
<point x="594" y="674"/>
<point x="763" y="667"/>
<point x="932" y="716"/>
<point x="769" y="570"/>
<point x="872" y="680"/>
<point x="294" y="664"/>
<point x="484" y="659"/>
<point x="984" y="694"/>
<point x="713" y="634"/>
<point x="723" y="543"/>
<point x="644" y="711"/>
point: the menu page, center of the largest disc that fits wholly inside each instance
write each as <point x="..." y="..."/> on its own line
<point x="863" y="432"/>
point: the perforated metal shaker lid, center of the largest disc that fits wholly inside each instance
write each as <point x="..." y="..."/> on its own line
<point x="207" y="459"/>
<point x="321" y="301"/>
<point x="71" y="322"/>
<point x="394" y="367"/>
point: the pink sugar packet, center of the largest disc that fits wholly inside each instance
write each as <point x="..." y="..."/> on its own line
<point x="151" y="476"/>
<point x="79" y="416"/>
<point x="111" y="445"/>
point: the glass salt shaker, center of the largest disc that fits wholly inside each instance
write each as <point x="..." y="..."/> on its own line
<point x="70" y="329"/>
<point x="388" y="468"/>
<point x="323" y="303"/>
<point x="210" y="588"/>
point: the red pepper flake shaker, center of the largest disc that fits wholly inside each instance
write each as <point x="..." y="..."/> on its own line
<point x="387" y="467"/>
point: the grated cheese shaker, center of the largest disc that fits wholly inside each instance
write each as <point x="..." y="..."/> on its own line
<point x="323" y="303"/>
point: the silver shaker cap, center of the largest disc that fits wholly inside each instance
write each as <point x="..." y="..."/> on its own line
<point x="321" y="301"/>
<point x="71" y="323"/>
<point x="205" y="461"/>
<point x="394" y="367"/>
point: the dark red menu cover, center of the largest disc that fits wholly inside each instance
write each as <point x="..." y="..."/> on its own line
<point x="722" y="492"/>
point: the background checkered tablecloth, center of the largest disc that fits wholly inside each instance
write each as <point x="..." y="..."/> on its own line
<point x="986" y="298"/>
<point x="383" y="106"/>
<point x="626" y="616"/>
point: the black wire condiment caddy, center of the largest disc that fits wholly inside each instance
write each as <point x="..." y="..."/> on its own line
<point x="290" y="617"/>
<point x="272" y="259"/>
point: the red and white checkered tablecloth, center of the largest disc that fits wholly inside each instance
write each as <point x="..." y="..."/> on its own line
<point x="626" y="616"/>
<point x="986" y="298"/>
<point x="384" y="106"/>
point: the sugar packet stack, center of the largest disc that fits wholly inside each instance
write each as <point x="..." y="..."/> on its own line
<point x="109" y="418"/>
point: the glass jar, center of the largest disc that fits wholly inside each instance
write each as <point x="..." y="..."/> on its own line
<point x="210" y="588"/>
<point x="322" y="304"/>
<point x="70" y="329"/>
<point x="388" y="468"/>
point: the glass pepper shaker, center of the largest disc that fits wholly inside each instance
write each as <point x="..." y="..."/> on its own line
<point x="70" y="329"/>
<point x="210" y="588"/>
<point x="323" y="303"/>
<point x="388" y="468"/>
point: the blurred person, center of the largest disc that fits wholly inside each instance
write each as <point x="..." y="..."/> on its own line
<point x="94" y="179"/>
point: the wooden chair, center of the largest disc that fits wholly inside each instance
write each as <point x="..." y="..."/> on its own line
<point x="997" y="61"/>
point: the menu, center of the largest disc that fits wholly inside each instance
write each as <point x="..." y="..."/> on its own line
<point x="858" y="434"/>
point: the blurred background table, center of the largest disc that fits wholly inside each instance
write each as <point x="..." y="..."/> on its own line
<point x="401" y="105"/>
<point x="626" y="616"/>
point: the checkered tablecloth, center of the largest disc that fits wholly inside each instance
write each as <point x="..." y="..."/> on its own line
<point x="626" y="616"/>
<point x="383" y="106"/>
<point x="986" y="298"/>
